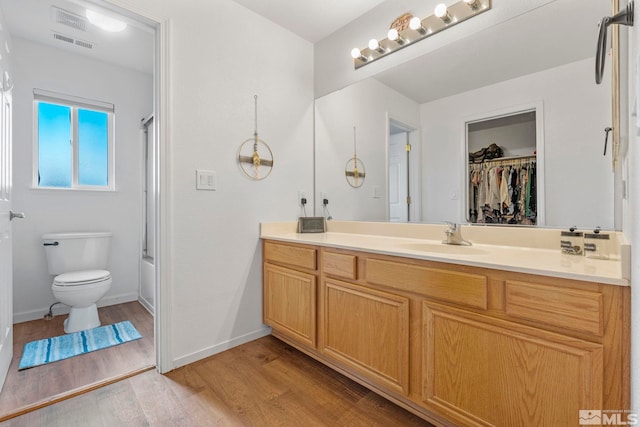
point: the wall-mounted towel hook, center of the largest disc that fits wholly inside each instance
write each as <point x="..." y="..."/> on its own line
<point x="624" y="17"/>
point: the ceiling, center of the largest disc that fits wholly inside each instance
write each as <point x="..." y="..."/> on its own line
<point x="312" y="20"/>
<point x="516" y="47"/>
<point x="63" y="24"/>
<point x="37" y="20"/>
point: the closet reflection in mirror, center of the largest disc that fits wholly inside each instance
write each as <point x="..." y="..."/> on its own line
<point x="502" y="180"/>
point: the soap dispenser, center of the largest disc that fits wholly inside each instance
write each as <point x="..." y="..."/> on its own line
<point x="571" y="241"/>
<point x="597" y="244"/>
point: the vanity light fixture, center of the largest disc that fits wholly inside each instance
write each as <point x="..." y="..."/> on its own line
<point x="409" y="29"/>
<point x="442" y="12"/>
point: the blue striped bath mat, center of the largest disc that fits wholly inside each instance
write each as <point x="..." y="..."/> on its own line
<point x="49" y="350"/>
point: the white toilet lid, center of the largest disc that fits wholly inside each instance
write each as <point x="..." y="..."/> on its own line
<point x="81" y="277"/>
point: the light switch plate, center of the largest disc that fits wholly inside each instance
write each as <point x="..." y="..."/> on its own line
<point x="206" y="180"/>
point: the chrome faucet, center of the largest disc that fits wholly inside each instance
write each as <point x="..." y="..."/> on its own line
<point x="454" y="235"/>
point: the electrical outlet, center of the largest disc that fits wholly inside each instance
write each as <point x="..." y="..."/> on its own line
<point x="324" y="196"/>
<point x="302" y="195"/>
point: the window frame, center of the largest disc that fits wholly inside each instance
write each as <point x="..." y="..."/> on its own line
<point x="74" y="103"/>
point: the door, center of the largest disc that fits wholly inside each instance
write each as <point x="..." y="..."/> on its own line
<point x="6" y="281"/>
<point x="398" y="191"/>
<point x="401" y="173"/>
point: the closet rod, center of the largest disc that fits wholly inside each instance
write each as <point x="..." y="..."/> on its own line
<point x="511" y="160"/>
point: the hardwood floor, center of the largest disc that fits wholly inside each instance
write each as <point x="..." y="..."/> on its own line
<point x="40" y="384"/>
<point x="262" y="383"/>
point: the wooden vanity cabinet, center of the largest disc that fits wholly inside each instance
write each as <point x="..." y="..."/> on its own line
<point x="290" y="291"/>
<point x="456" y="345"/>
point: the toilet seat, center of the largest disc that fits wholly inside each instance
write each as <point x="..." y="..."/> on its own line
<point x="84" y="277"/>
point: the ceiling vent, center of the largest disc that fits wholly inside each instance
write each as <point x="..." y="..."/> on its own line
<point x="73" y="41"/>
<point x="69" y="19"/>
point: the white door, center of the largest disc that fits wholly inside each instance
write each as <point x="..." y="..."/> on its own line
<point x="6" y="281"/>
<point x="398" y="182"/>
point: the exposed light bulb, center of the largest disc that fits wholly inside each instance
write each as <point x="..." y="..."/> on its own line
<point x="105" y="22"/>
<point x="442" y="13"/>
<point x="356" y="54"/>
<point x="441" y="10"/>
<point x="375" y="45"/>
<point x="394" y="36"/>
<point x="416" y="25"/>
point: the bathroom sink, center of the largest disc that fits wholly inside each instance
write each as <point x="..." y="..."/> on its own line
<point x="444" y="248"/>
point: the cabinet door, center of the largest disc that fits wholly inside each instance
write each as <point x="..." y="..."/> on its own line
<point x="483" y="371"/>
<point x="367" y="331"/>
<point x="290" y="303"/>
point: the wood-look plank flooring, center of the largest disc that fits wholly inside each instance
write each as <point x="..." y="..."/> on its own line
<point x="262" y="383"/>
<point x="28" y="387"/>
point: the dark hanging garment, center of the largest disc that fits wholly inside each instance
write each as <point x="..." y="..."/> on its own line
<point x="533" y="205"/>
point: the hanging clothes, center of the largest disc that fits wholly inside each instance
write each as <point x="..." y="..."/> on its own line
<point x="503" y="191"/>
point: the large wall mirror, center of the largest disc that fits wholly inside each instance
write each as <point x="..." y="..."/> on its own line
<point x="540" y="62"/>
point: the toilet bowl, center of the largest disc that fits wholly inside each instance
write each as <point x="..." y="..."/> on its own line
<point x="78" y="261"/>
<point x="81" y="290"/>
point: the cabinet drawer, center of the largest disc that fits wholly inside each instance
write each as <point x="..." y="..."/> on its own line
<point x="460" y="288"/>
<point x="297" y="256"/>
<point x="341" y="265"/>
<point x="573" y="309"/>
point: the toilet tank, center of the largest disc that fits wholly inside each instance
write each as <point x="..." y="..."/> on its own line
<point x="67" y="252"/>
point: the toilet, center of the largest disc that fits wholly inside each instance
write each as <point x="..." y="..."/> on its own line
<point x="79" y="261"/>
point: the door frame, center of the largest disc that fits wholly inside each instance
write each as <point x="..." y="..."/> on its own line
<point x="415" y="169"/>
<point x="161" y="104"/>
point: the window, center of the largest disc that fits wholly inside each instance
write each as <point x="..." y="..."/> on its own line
<point x="74" y="142"/>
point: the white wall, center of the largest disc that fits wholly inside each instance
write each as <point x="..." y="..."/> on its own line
<point x="221" y="54"/>
<point x="576" y="111"/>
<point x="517" y="139"/>
<point x="43" y="67"/>
<point x="367" y="106"/>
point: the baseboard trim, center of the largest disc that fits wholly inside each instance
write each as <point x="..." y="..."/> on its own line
<point x="147" y="305"/>
<point x="39" y="313"/>
<point x="219" y="348"/>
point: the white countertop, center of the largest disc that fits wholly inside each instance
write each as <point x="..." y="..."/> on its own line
<point x="542" y="261"/>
